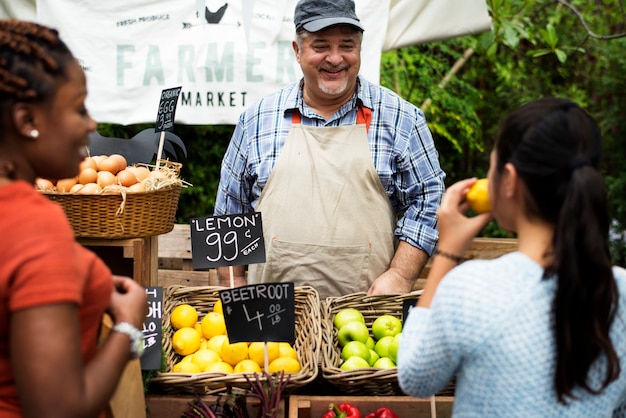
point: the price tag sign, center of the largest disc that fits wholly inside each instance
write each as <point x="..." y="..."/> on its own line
<point x="167" y="109"/>
<point x="260" y="312"/>
<point x="153" y="330"/>
<point x="227" y="240"/>
<point x="407" y="305"/>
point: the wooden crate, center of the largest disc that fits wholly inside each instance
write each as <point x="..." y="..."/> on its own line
<point x="403" y="406"/>
<point x="169" y="406"/>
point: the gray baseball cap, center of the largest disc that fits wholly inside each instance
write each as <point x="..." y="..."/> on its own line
<point x="315" y="15"/>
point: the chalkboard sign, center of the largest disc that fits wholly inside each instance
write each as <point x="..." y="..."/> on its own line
<point x="260" y="312"/>
<point x="167" y="109"/>
<point x="227" y="240"/>
<point x="152" y="330"/>
<point x="407" y="305"/>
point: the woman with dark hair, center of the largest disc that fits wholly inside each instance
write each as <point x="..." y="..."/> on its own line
<point x="53" y="291"/>
<point x="540" y="332"/>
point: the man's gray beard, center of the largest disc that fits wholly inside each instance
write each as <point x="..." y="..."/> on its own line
<point x="333" y="92"/>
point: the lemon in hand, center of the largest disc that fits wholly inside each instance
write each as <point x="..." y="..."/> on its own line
<point x="478" y="196"/>
<point x="184" y="316"/>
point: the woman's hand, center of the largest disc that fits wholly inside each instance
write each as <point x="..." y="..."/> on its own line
<point x="129" y="302"/>
<point x="456" y="230"/>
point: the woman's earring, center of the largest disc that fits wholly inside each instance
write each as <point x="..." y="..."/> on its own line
<point x="34" y="133"/>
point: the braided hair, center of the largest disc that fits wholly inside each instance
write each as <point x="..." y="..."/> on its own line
<point x="32" y="61"/>
<point x="555" y="147"/>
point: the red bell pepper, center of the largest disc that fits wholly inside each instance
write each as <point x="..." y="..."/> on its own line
<point x="381" y="413"/>
<point x="344" y="410"/>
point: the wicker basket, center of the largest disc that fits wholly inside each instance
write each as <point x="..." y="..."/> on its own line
<point x="369" y="381"/>
<point x="118" y="216"/>
<point x="307" y="343"/>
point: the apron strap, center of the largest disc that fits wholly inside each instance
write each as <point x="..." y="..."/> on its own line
<point x="363" y="117"/>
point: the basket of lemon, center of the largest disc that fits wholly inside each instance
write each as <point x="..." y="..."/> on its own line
<point x="360" y="338"/>
<point x="110" y="199"/>
<point x="200" y="359"/>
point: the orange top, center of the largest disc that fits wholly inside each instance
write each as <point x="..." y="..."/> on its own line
<point x="41" y="263"/>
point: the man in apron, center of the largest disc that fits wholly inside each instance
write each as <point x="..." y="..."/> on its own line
<point x="344" y="172"/>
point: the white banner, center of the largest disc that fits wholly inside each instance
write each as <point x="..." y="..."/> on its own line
<point x="224" y="55"/>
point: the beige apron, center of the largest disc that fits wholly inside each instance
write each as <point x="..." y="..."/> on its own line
<point x="327" y="220"/>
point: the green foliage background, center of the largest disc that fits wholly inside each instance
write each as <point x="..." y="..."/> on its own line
<point x="535" y="48"/>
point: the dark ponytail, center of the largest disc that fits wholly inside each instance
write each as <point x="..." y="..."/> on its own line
<point x="555" y="147"/>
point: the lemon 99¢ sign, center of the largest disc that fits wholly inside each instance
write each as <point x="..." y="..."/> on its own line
<point x="260" y="312"/>
<point x="227" y="240"/>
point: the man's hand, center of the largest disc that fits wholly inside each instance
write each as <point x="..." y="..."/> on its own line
<point x="404" y="270"/>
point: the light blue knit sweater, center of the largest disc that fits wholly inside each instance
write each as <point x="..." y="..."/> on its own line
<point x="488" y="325"/>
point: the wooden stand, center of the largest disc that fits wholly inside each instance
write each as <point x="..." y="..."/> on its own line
<point x="134" y="257"/>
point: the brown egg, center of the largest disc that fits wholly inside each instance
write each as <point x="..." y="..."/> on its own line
<point x="121" y="161"/>
<point x="90" y="188"/>
<point x="88" y="162"/>
<point x="137" y="188"/>
<point x="64" y="185"/>
<point x="44" y="184"/>
<point x="126" y="177"/>
<point x="87" y="175"/>
<point x="76" y="188"/>
<point x="108" y="164"/>
<point x="140" y="171"/>
<point x="105" y="178"/>
<point x="98" y="158"/>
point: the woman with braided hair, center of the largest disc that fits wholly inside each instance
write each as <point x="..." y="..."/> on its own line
<point x="540" y="332"/>
<point x="53" y="291"/>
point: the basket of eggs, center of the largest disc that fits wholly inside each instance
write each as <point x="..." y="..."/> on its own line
<point x="110" y="199"/>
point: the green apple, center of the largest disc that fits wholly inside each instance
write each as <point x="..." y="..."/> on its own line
<point x="393" y="347"/>
<point x="386" y="325"/>
<point x="382" y="346"/>
<point x="353" y="331"/>
<point x="373" y="357"/>
<point x="355" y="348"/>
<point x="370" y="343"/>
<point x="384" y="363"/>
<point x="347" y="315"/>
<point x="354" y="362"/>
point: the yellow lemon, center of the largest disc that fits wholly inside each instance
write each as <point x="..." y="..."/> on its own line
<point x="203" y="357"/>
<point x="186" y="367"/>
<point x="186" y="358"/>
<point x="184" y="316"/>
<point x="286" y="350"/>
<point x="198" y="327"/>
<point x="186" y="341"/>
<point x="219" y="367"/>
<point x="213" y="324"/>
<point x="478" y="196"/>
<point x="247" y="366"/>
<point x="218" y="307"/>
<point x="215" y="343"/>
<point x="256" y="352"/>
<point x="286" y="364"/>
<point x="234" y="353"/>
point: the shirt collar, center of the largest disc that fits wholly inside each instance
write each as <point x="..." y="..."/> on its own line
<point x="362" y="95"/>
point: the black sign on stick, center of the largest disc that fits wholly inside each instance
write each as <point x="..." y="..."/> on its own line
<point x="260" y="312"/>
<point x="167" y="109"/>
<point x="153" y="330"/>
<point x="227" y="240"/>
<point x="407" y="305"/>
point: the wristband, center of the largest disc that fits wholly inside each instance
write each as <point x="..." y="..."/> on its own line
<point x="449" y="256"/>
<point x="136" y="338"/>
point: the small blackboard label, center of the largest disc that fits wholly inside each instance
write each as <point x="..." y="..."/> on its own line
<point x="407" y="305"/>
<point x="227" y="240"/>
<point x="260" y="312"/>
<point x="167" y="109"/>
<point x="152" y="330"/>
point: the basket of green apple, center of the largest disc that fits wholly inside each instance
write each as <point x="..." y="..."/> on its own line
<point x="360" y="338"/>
